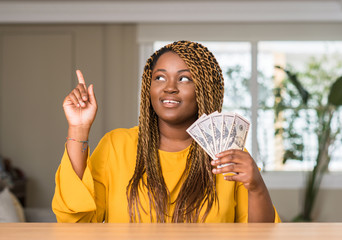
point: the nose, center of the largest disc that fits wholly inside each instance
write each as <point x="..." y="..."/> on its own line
<point x="171" y="86"/>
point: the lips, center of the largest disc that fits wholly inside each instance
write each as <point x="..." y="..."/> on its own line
<point x="170" y="102"/>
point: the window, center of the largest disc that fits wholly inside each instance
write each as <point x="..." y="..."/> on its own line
<point x="317" y="65"/>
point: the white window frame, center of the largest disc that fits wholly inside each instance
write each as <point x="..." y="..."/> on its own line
<point x="253" y="33"/>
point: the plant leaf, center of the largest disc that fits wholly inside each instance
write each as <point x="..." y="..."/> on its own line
<point x="290" y="155"/>
<point x="335" y="95"/>
<point x="294" y="80"/>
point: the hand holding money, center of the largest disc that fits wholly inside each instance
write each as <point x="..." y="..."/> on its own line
<point x="219" y="132"/>
<point x="223" y="137"/>
<point x="242" y="164"/>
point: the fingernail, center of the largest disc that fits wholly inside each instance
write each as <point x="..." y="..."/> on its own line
<point x="84" y="98"/>
<point x="212" y="162"/>
<point x="214" y="170"/>
<point x="78" y="105"/>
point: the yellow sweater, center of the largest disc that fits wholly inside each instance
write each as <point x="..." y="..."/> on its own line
<point x="101" y="194"/>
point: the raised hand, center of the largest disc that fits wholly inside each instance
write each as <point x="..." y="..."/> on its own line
<point x="80" y="105"/>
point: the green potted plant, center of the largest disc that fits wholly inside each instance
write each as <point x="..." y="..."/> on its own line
<point x="313" y="97"/>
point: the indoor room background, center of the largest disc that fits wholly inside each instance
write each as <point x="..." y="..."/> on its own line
<point x="42" y="43"/>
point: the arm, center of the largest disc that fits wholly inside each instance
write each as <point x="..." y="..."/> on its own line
<point x="82" y="200"/>
<point x="260" y="208"/>
<point x="74" y="199"/>
<point x="80" y="109"/>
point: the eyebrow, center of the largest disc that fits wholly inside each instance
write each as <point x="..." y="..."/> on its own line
<point x="179" y="71"/>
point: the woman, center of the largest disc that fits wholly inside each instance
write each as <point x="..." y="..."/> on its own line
<point x="156" y="172"/>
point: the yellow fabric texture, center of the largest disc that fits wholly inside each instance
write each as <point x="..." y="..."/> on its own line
<point x="101" y="194"/>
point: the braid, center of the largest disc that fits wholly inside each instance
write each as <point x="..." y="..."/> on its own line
<point x="198" y="189"/>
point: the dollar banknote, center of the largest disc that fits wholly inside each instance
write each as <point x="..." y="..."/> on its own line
<point x="195" y="132"/>
<point x="228" y="120"/>
<point x="216" y="122"/>
<point x="205" y="125"/>
<point x="238" y="133"/>
<point x="218" y="132"/>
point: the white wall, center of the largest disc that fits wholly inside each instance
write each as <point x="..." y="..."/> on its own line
<point x="289" y="203"/>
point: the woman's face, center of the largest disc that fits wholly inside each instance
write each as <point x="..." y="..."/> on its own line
<point x="172" y="91"/>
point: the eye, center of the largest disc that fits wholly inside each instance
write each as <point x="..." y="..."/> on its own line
<point x="184" y="79"/>
<point x="160" y="78"/>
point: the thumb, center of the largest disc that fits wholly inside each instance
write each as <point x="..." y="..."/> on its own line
<point x="92" y="99"/>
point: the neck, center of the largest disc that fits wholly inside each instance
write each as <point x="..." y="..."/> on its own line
<point x="173" y="138"/>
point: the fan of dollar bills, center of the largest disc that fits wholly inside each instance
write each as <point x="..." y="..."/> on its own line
<point x="218" y="132"/>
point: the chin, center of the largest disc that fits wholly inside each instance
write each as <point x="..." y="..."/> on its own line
<point x="173" y="121"/>
<point x="177" y="120"/>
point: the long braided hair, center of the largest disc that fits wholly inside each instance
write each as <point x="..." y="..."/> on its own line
<point x="198" y="188"/>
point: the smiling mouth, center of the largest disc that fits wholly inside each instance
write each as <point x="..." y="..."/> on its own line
<point x="170" y="101"/>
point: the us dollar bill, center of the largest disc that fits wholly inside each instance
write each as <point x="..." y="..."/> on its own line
<point x="219" y="132"/>
<point x="228" y="120"/>
<point x="195" y="132"/>
<point x="216" y="122"/>
<point x="238" y="134"/>
<point x="206" y="128"/>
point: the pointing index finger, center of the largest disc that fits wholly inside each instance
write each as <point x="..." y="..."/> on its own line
<point x="80" y="77"/>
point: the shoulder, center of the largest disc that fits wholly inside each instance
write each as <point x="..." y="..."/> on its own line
<point x="115" y="145"/>
<point x="123" y="133"/>
<point x="122" y="136"/>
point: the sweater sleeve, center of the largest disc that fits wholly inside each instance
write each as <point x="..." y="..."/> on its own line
<point x="82" y="200"/>
<point x="241" y="208"/>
